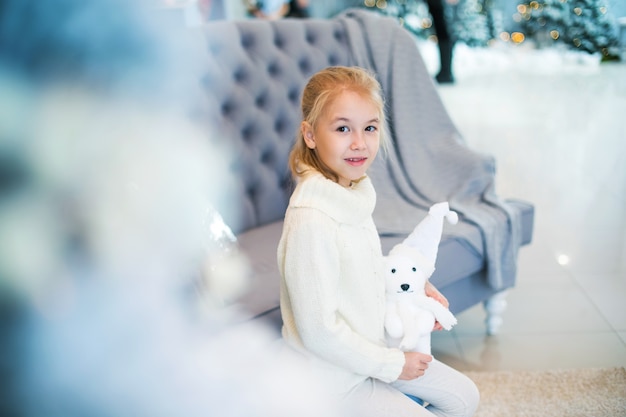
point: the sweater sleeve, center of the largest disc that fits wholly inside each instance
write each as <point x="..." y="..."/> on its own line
<point x="311" y="270"/>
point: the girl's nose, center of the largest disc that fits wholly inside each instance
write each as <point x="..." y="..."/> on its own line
<point x="358" y="142"/>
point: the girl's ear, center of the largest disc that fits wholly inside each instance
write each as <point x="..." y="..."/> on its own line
<point x="307" y="134"/>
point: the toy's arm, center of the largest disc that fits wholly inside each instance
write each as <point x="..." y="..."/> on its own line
<point x="442" y="314"/>
<point x="433" y="292"/>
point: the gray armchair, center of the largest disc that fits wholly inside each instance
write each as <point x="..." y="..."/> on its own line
<point x="254" y="74"/>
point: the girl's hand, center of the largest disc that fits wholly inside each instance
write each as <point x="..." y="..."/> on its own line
<point x="433" y="292"/>
<point x="415" y="364"/>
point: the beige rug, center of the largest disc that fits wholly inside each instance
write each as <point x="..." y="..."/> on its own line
<point x="563" y="393"/>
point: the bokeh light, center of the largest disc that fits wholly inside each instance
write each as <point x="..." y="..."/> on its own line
<point x="517" y="37"/>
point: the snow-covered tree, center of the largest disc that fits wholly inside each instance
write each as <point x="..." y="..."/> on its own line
<point x="586" y="25"/>
<point x="469" y="21"/>
<point x="411" y="14"/>
<point x="472" y="23"/>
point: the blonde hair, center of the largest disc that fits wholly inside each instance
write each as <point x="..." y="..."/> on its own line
<point x="324" y="87"/>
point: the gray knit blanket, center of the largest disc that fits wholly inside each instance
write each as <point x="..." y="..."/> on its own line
<point x="428" y="160"/>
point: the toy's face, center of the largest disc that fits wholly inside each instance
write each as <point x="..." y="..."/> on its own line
<point x="403" y="276"/>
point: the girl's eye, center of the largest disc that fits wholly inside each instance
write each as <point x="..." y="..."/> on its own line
<point x="342" y="129"/>
<point x="371" y="129"/>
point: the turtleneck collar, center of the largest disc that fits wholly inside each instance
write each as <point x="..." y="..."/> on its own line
<point x="346" y="205"/>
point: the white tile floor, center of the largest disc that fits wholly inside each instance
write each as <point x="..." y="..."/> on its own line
<point x="556" y="125"/>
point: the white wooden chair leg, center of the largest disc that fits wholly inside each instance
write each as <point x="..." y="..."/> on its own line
<point x="494" y="307"/>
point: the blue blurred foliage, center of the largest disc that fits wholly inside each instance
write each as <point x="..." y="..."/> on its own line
<point x="96" y="42"/>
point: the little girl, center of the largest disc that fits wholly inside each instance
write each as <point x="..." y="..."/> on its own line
<point x="330" y="259"/>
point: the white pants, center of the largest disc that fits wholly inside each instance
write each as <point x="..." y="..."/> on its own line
<point x="446" y="391"/>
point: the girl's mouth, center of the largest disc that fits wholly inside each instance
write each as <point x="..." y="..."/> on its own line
<point x="356" y="161"/>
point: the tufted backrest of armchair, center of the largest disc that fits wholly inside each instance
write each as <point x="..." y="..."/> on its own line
<point x="254" y="77"/>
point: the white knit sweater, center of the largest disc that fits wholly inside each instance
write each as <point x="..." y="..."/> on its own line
<point x="332" y="288"/>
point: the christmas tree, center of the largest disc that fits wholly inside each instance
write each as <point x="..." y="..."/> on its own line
<point x="469" y="21"/>
<point x="585" y="25"/>
<point x="472" y="24"/>
<point x="413" y="15"/>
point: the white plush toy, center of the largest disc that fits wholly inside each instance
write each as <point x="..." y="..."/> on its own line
<point x="411" y="314"/>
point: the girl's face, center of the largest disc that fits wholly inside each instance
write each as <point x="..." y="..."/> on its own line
<point x="347" y="136"/>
